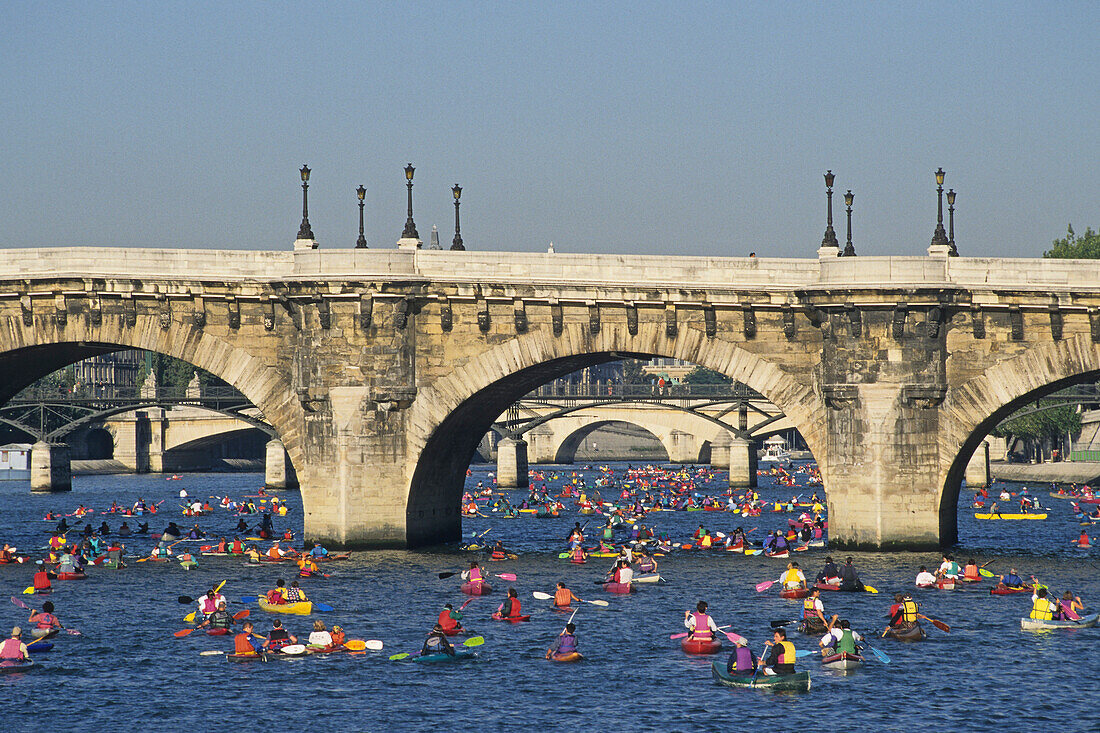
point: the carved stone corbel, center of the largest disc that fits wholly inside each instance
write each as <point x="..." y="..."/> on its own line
<point x="519" y="315"/>
<point x="234" y="312"/>
<point x="366" y="308"/>
<point x="710" y="321"/>
<point x="483" y="320"/>
<point x="670" y="321"/>
<point x="401" y="314"/>
<point x="840" y="396"/>
<point x="593" y="318"/>
<point x="788" y="322"/>
<point x="557" y="319"/>
<point x="923" y="396"/>
<point x="446" y="314"/>
<point x="749" y="322"/>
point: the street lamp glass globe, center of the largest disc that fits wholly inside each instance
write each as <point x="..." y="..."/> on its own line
<point x="849" y="198"/>
<point x="409" y="171"/>
<point x="939" y="177"/>
<point x="829" y="177"/>
<point x="951" y="197"/>
<point x="361" y="193"/>
<point x="457" y="191"/>
<point x="305" y="172"/>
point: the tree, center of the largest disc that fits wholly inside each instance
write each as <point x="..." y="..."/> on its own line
<point x="632" y="371"/>
<point x="173" y="375"/>
<point x="1072" y="247"/>
<point x="701" y="375"/>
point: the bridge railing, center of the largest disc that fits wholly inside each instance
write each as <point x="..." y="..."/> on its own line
<point x="644" y="391"/>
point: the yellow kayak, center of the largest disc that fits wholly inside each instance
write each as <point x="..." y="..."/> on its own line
<point x="301" y="608"/>
<point x="1010" y="516"/>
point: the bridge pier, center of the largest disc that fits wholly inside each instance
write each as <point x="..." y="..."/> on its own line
<point x="51" y="469"/>
<point x="278" y="470"/>
<point x="720" y="451"/>
<point x="512" y="464"/>
<point x="540" y="445"/>
<point x="977" y="470"/>
<point x="684" y="448"/>
<point x="742" y="463"/>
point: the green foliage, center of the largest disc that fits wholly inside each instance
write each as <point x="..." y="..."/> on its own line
<point x="700" y="375"/>
<point x="1053" y="423"/>
<point x="1085" y="247"/>
<point x="173" y="375"/>
<point x="632" y="371"/>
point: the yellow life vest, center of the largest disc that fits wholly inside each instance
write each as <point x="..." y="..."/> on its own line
<point x="1042" y="609"/>
<point x="791" y="576"/>
<point x="908" y="611"/>
<point x="787" y="655"/>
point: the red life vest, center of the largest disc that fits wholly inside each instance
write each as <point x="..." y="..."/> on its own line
<point x="475" y="575"/>
<point x="10" y="649"/>
<point x="41" y="580"/>
<point x="702" y="626"/>
<point x="47" y="621"/>
<point x="446" y="621"/>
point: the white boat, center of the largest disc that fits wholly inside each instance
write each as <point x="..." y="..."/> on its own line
<point x="775" y="449"/>
<point x="1031" y="624"/>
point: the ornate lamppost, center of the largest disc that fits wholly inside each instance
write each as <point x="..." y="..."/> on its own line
<point x="410" y="227"/>
<point x="304" y="231"/>
<point x="830" y="236"/>
<point x="361" y="243"/>
<point x="456" y="243"/>
<point x="939" y="237"/>
<point x="849" y="250"/>
<point x="951" y="223"/>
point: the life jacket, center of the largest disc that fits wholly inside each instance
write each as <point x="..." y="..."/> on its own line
<point x="237" y="547"/>
<point x="702" y="626"/>
<point x="288" y="535"/>
<point x="578" y="553"/>
<point x="209" y="604"/>
<point x="512" y="608"/>
<point x="567" y="644"/>
<point x="446" y="621"/>
<point x="792" y="576"/>
<point x="278" y="638"/>
<point x="41" y="580"/>
<point x="971" y="572"/>
<point x="275" y="597"/>
<point x="242" y="644"/>
<point x="1042" y="609"/>
<point x="220" y="620"/>
<point x="475" y="575"/>
<point x="293" y="595"/>
<point x="221" y="546"/>
<point x="563" y="597"/>
<point x="908" y="611"/>
<point x="337" y="638"/>
<point x="706" y="541"/>
<point x="498" y="555"/>
<point x="1066" y="608"/>
<point x="742" y="661"/>
<point x="273" y="553"/>
<point x="809" y="608"/>
<point x="46" y="621"/>
<point x="786" y="653"/>
<point x="847" y="642"/>
<point x="10" y="649"/>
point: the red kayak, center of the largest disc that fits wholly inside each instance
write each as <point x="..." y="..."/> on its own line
<point x="794" y="593"/>
<point x="700" y="646"/>
<point x="1004" y="590"/>
<point x="71" y="576"/>
<point x="945" y="583"/>
<point x="217" y="632"/>
<point x="456" y="631"/>
<point x="826" y="586"/>
<point x="476" y="589"/>
<point x="782" y="554"/>
<point x="513" y="619"/>
<point x="620" y="588"/>
<point x="562" y="609"/>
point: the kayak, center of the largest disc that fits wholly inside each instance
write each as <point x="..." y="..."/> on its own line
<point x="913" y="633"/>
<point x="620" y="588"/>
<point x="40" y="646"/>
<point x="1004" y="590"/>
<point x="71" y="576"/>
<point x="456" y="631"/>
<point x="461" y="653"/>
<point x="10" y="666"/>
<point x="647" y="578"/>
<point x="1010" y="516"/>
<point x="794" y="593"/>
<point x="217" y="632"/>
<point x="570" y="657"/>
<point x="700" y="646"/>
<point x="781" y="555"/>
<point x="245" y="657"/>
<point x="477" y="589"/>
<point x="562" y="609"/>
<point x="799" y="681"/>
<point x="1032" y="624"/>
<point x="816" y="628"/>
<point x="945" y="584"/>
<point x="578" y="562"/>
<point x="842" y="660"/>
<point x="301" y="608"/>
<point x="513" y="619"/>
<point x="826" y="586"/>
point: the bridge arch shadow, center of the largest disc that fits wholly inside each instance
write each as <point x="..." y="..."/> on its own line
<point x="567" y="451"/>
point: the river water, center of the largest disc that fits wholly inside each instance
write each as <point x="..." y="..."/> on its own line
<point x="127" y="671"/>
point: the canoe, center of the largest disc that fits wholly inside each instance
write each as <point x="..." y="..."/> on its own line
<point x="620" y="588"/>
<point x="217" y="632"/>
<point x="913" y="633"/>
<point x="1031" y="624"/>
<point x="945" y="584"/>
<point x="700" y="646"/>
<point x="71" y="576"/>
<point x="843" y="660"/>
<point x="781" y="555"/>
<point x="513" y="619"/>
<point x="799" y="681"/>
<point x="461" y="653"/>
<point x="1003" y="590"/>
<point x="301" y="608"/>
<point x="570" y="657"/>
<point x="477" y="589"/>
<point x="10" y="666"/>
<point x="1010" y="516"/>
<point x="811" y="629"/>
<point x="647" y="578"/>
<point x="40" y="646"/>
<point x="794" y="593"/>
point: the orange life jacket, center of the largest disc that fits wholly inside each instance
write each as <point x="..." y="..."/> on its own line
<point x="241" y="645"/>
<point x="563" y="597"/>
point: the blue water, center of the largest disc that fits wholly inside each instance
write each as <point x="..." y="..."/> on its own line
<point x="129" y="672"/>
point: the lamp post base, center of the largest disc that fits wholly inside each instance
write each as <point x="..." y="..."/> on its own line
<point x="305" y="244"/>
<point x="409" y="243"/>
<point x="939" y="250"/>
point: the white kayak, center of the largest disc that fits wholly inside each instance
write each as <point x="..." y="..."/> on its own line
<point x="648" y="578"/>
<point x="1031" y="624"/>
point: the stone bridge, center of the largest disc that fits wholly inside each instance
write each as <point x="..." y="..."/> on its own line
<point x="381" y="370"/>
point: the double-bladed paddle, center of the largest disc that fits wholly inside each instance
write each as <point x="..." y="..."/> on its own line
<point x="510" y="577"/>
<point x="547" y="597"/>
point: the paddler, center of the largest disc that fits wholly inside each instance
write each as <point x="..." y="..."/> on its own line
<point x="576" y="536"/>
<point x="253" y="554"/>
<point x="44" y="621"/>
<point x="578" y="555"/>
<point x="294" y="593"/>
<point x="219" y="618"/>
<point x="906" y="614"/>
<point x="699" y="624"/>
<point x="279" y="637"/>
<point x="277" y="595"/>
<point x="925" y="579"/>
<point x="276" y="552"/>
<point x="437" y="643"/>
<point x="1084" y="540"/>
<point x="646" y="564"/>
<point x="949" y="569"/>
<point x="449" y="618"/>
<point x="511" y="607"/>
<point x="307" y="567"/>
<point x="781" y="659"/>
<point x="320" y="637"/>
<point x="242" y="526"/>
<point x="318" y="551"/>
<point x="1041" y="607"/>
<point x="566" y="643"/>
<point x="473" y="575"/>
<point x="840" y="638"/>
<point x="1069" y="606"/>
<point x="42" y="580"/>
<point x="813" y="611"/>
<point x="563" y="597"/>
<point x="13" y="649"/>
<point x="742" y="661"/>
<point x="338" y="636"/>
<point x="849" y="578"/>
<point x="248" y="643"/>
<point x="793" y="578"/>
<point x="1011" y="580"/>
<point x="971" y="571"/>
<point x="208" y="603"/>
<point x="498" y="553"/>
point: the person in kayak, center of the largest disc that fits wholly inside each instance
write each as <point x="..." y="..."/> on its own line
<point x="699" y="624"/>
<point x="782" y="656"/>
<point x="209" y="601"/>
<point x="1084" y="540"/>
<point x="473" y="575"/>
<point x="219" y="618"/>
<point x="1041" y="607"/>
<point x="277" y="595"/>
<point x="905" y="615"/>
<point x="623" y="573"/>
<point x="279" y="637"/>
<point x="849" y="578"/>
<point x="320" y="636"/>
<point x="829" y="575"/>
<point x="318" y="551"/>
<point x="971" y="572"/>
<point x="67" y="563"/>
<point x="563" y="597"/>
<point x="1011" y="580"/>
<point x="143" y="528"/>
<point x="44" y="621"/>
<point x="242" y="526"/>
<point x="576" y="536"/>
<point x="925" y="579"/>
<point x="171" y="532"/>
<point x="104" y="528"/>
<point x="566" y="643"/>
<point x="307" y="567"/>
<point x="247" y="642"/>
<point x="813" y="611"/>
<point x="437" y="643"/>
<point x="275" y="552"/>
<point x="742" y="661"/>
<point x="267" y="530"/>
<point x="13" y="649"/>
<point x="294" y="593"/>
<point x="793" y="578"/>
<point x="511" y="607"/>
<point x="449" y="619"/>
<point x="499" y="553"/>
<point x="41" y="580"/>
<point x="253" y="554"/>
<point x="578" y="555"/>
<point x="840" y="639"/>
<point x="949" y="569"/>
<point x="124" y="529"/>
<point x="646" y="563"/>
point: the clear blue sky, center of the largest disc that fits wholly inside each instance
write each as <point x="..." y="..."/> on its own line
<point x="678" y="128"/>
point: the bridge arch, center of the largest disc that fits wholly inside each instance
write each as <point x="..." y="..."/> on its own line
<point x="566" y="449"/>
<point x="980" y="404"/>
<point x="450" y="415"/>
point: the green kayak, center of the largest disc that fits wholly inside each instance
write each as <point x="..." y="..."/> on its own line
<point x="800" y="681"/>
<point x="459" y="655"/>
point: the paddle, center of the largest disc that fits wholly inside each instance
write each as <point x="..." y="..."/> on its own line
<point x="19" y="602"/>
<point x="938" y="624"/>
<point x="472" y="641"/>
<point x="761" y="587"/>
<point x="879" y="655"/>
<point x="547" y="597"/>
<point x="777" y="624"/>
